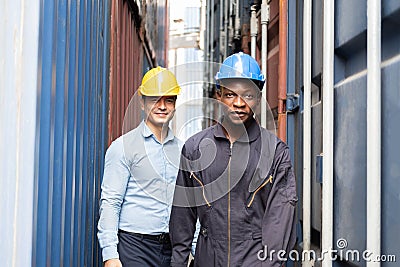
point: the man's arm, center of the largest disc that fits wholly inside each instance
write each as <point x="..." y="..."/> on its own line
<point x="113" y="188"/>
<point x="113" y="263"/>
<point x="183" y="216"/>
<point x="278" y="226"/>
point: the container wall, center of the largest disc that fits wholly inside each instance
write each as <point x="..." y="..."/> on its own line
<point x="276" y="78"/>
<point x="214" y="49"/>
<point x="18" y="78"/>
<point x="71" y="134"/>
<point x="272" y="57"/>
<point x="60" y="87"/>
<point x="155" y="28"/>
<point x="350" y="121"/>
<point x="139" y="31"/>
<point x="295" y="118"/>
<point x="351" y="125"/>
<point x="126" y="57"/>
<point x="162" y="32"/>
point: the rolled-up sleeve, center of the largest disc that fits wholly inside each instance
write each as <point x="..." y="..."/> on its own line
<point x="113" y="188"/>
<point x="278" y="226"/>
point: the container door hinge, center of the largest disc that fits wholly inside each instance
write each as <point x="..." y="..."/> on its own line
<point x="292" y="103"/>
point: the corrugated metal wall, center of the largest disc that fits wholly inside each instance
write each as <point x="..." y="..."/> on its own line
<point x="295" y="119"/>
<point x="276" y="80"/>
<point x="350" y="121"/>
<point x="212" y="53"/>
<point x="273" y="56"/>
<point x="162" y="34"/>
<point x="126" y="57"/>
<point x="18" y="79"/>
<point x="351" y="125"/>
<point x="155" y="29"/>
<point x="138" y="42"/>
<point x="56" y="104"/>
<point x="71" y="131"/>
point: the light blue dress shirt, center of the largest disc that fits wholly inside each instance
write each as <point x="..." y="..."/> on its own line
<point x="138" y="186"/>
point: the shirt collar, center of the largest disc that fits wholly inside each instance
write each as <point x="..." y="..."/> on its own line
<point x="253" y="131"/>
<point x="146" y="132"/>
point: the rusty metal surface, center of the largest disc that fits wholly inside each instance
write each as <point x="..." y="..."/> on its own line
<point x="276" y="63"/>
<point x="139" y="32"/>
<point x="126" y="57"/>
<point x="282" y="70"/>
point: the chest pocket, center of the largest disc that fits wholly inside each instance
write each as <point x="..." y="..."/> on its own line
<point x="195" y="178"/>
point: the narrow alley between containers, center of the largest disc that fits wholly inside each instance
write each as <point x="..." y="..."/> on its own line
<point x="73" y="81"/>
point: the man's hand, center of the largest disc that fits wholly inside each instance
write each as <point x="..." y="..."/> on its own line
<point x="113" y="263"/>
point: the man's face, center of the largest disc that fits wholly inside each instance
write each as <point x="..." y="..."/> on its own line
<point x="158" y="110"/>
<point x="240" y="97"/>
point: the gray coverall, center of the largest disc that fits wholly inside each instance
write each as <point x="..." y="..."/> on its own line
<point x="244" y="195"/>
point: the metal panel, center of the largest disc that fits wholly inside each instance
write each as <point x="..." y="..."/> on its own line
<point x="316" y="149"/>
<point x="391" y="35"/>
<point x="291" y="73"/>
<point x="293" y="135"/>
<point x="126" y="57"/>
<point x="316" y="67"/>
<point x="156" y="29"/>
<point x="71" y="134"/>
<point x="350" y="126"/>
<point x="18" y="79"/>
<point x="273" y="57"/>
<point x="350" y="162"/>
<point x="390" y="7"/>
<point x="295" y="120"/>
<point x="162" y="32"/>
<point x="272" y="77"/>
<point x="390" y="157"/>
<point x="350" y="20"/>
<point x="295" y="86"/>
<point x="350" y="134"/>
<point x="274" y="13"/>
<point x="350" y="121"/>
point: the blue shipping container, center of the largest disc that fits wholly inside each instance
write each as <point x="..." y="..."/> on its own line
<point x="71" y="131"/>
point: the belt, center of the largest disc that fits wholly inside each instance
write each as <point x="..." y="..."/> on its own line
<point x="161" y="238"/>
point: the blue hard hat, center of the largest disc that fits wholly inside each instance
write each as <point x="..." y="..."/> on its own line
<point x="240" y="65"/>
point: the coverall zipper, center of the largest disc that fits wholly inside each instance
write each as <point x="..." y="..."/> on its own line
<point x="229" y="204"/>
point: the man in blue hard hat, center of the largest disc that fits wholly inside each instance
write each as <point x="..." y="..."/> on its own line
<point x="237" y="179"/>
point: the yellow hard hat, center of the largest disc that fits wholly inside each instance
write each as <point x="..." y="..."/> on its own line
<point x="159" y="82"/>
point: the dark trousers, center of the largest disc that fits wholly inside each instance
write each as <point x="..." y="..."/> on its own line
<point x="138" y="251"/>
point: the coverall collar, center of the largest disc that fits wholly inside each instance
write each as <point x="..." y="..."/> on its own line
<point x="253" y="131"/>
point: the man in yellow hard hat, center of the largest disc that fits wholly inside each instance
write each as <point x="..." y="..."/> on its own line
<point x="139" y="177"/>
